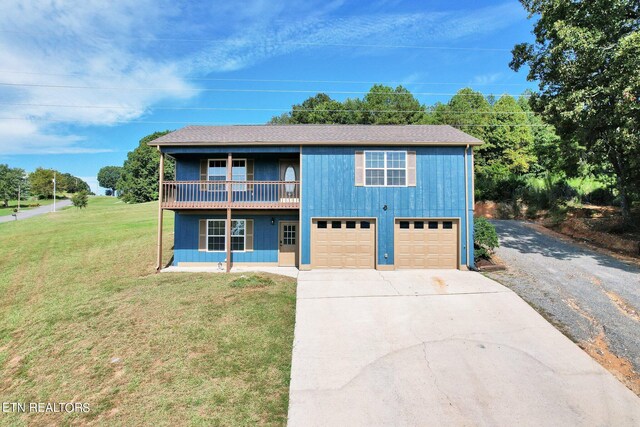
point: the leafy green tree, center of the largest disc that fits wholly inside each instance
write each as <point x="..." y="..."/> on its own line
<point x="139" y="178"/>
<point x="41" y="182"/>
<point x="381" y="105"/>
<point x="468" y="111"/>
<point x="507" y="152"/>
<point x="80" y="199"/>
<point x="510" y="137"/>
<point x="384" y="105"/>
<point x="586" y="58"/>
<point x="109" y="176"/>
<point x="553" y="156"/>
<point x="71" y="184"/>
<point x="11" y="180"/>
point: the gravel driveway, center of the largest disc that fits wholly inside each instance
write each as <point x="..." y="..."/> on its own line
<point x="593" y="298"/>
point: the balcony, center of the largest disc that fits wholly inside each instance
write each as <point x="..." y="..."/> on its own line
<point x="230" y="194"/>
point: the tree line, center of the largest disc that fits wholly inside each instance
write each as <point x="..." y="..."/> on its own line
<point x="39" y="183"/>
<point x="584" y="122"/>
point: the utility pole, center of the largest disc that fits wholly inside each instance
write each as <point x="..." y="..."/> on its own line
<point x="54" y="191"/>
<point x="18" y="197"/>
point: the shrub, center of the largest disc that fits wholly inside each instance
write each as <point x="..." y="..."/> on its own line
<point x="485" y="238"/>
<point x="600" y="197"/>
<point x="80" y="199"/>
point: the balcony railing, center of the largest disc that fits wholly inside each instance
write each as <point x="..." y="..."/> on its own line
<point x="230" y="194"/>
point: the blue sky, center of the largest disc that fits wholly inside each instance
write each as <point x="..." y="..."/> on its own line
<point x="138" y="67"/>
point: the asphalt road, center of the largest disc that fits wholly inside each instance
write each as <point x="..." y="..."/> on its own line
<point x="35" y="211"/>
<point x="588" y="295"/>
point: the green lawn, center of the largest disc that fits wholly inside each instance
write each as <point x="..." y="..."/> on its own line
<point x="84" y="318"/>
<point x="24" y="205"/>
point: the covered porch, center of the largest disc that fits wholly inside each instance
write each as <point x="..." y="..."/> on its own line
<point x="249" y="180"/>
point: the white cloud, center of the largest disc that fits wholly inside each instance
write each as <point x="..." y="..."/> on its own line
<point x="263" y="40"/>
<point x="63" y="48"/>
<point x="119" y="44"/>
<point x="485" y="79"/>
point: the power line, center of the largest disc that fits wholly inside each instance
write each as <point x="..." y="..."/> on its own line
<point x="233" y="123"/>
<point x="286" y="43"/>
<point x="120" y="107"/>
<point x="342" y="92"/>
<point x="221" y="79"/>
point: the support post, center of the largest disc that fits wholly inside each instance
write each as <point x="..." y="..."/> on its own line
<point x="160" y="212"/>
<point x="466" y="204"/>
<point x="229" y="200"/>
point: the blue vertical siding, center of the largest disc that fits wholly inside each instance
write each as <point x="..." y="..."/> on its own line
<point x="265" y="246"/>
<point x="328" y="190"/>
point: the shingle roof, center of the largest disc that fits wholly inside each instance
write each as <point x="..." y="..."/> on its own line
<point x="317" y="135"/>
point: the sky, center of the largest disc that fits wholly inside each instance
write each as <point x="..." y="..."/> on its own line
<point x="82" y="81"/>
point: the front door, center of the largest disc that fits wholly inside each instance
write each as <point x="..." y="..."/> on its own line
<point x="288" y="241"/>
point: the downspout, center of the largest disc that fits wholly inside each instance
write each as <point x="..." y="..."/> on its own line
<point x="466" y="203"/>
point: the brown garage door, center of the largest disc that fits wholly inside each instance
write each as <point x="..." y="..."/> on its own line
<point x="343" y="243"/>
<point x="426" y="243"/>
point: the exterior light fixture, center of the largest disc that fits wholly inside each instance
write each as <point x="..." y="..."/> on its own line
<point x="273" y="221"/>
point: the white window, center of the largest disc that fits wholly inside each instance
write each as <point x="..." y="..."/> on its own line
<point x="217" y="235"/>
<point x="385" y="168"/>
<point x="217" y="171"/>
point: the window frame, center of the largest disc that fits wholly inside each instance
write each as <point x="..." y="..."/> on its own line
<point x="386" y="168"/>
<point x="224" y="221"/>
<point x="236" y="187"/>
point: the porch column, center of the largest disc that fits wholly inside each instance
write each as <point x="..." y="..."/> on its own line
<point x="160" y="210"/>
<point x="229" y="200"/>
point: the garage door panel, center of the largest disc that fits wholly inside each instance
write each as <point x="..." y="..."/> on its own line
<point x="345" y="243"/>
<point x="428" y="245"/>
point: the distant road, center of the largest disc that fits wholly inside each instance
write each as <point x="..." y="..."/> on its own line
<point x="36" y="211"/>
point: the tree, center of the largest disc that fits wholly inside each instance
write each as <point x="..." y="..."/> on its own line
<point x="586" y="58"/>
<point x="139" y="176"/>
<point x="384" y="105"/>
<point x="80" y="199"/>
<point x="510" y="136"/>
<point x="70" y="184"/>
<point x="381" y="105"/>
<point x="41" y="182"/>
<point x="552" y="154"/>
<point x="12" y="180"/>
<point x="468" y="111"/>
<point x="108" y="177"/>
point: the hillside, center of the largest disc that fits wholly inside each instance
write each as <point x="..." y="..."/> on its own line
<point x="84" y="318"/>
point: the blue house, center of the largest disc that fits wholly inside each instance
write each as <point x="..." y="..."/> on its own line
<point x="320" y="196"/>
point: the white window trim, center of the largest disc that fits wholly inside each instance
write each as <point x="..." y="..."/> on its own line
<point x="244" y="238"/>
<point x="385" y="168"/>
<point x="244" y="186"/>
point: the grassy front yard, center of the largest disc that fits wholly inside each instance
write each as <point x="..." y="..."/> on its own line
<point x="84" y="318"/>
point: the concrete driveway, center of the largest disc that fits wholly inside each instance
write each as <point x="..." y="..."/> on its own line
<point x="438" y="347"/>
